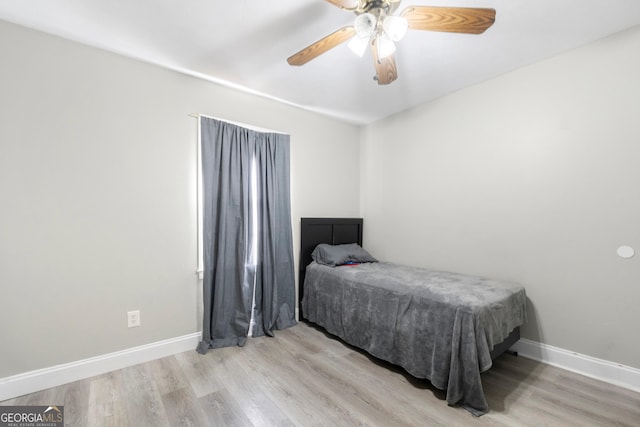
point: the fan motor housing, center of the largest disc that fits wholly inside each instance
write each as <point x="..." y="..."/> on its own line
<point x="378" y="6"/>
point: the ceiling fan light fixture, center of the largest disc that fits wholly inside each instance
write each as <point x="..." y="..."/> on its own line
<point x="386" y="46"/>
<point x="365" y="25"/>
<point x="358" y="45"/>
<point x="378" y="26"/>
<point x="395" y="27"/>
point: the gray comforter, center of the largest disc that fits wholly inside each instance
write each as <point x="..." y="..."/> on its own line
<point x="437" y="325"/>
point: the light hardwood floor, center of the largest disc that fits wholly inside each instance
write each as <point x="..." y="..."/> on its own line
<point x="303" y="377"/>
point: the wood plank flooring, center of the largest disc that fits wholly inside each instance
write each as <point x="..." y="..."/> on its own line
<point x="304" y="377"/>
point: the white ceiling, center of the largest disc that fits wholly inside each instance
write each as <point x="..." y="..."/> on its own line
<point x="245" y="43"/>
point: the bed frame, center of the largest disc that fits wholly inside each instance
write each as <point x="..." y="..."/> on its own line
<point x="336" y="231"/>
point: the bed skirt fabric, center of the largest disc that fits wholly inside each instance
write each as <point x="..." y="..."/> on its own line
<point x="437" y="325"/>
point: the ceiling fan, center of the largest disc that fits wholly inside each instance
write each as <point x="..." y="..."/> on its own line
<point x="377" y="26"/>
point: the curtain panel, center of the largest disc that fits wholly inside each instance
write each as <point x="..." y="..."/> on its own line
<point x="247" y="241"/>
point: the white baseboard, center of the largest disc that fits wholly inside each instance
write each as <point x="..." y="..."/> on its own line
<point x="30" y="382"/>
<point x="613" y="373"/>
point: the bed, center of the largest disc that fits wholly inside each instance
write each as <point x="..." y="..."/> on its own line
<point x="441" y="326"/>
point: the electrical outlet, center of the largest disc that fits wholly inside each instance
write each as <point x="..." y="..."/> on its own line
<point x="133" y="318"/>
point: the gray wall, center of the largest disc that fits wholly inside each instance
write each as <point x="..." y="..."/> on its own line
<point x="97" y="180"/>
<point x="533" y="177"/>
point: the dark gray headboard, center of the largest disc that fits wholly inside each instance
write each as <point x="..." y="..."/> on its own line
<point x="335" y="231"/>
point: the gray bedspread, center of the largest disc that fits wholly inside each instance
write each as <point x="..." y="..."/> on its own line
<point x="437" y="325"/>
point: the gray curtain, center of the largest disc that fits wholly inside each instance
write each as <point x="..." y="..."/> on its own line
<point x="233" y="156"/>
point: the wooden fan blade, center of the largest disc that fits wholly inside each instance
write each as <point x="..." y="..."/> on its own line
<point x="345" y="4"/>
<point x="386" y="71"/>
<point x="467" y="20"/>
<point x="321" y="46"/>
